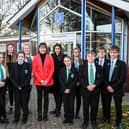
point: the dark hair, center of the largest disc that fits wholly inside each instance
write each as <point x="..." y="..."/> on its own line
<point x="116" y="48"/>
<point x="43" y="44"/>
<point x="21" y="52"/>
<point x="59" y="57"/>
<point x="67" y="57"/>
<point x="102" y="48"/>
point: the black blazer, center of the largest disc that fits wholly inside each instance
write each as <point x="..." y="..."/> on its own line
<point x="25" y="75"/>
<point x="83" y="76"/>
<point x="71" y="82"/>
<point x="106" y="61"/>
<point x="118" y="77"/>
<point x="57" y="66"/>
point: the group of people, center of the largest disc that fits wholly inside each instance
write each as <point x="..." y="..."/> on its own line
<point x="15" y="77"/>
<point x="67" y="78"/>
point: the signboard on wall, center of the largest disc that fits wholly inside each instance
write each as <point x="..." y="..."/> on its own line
<point x="66" y="37"/>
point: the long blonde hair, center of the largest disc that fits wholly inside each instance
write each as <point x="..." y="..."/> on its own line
<point x="13" y="60"/>
<point x="79" y="56"/>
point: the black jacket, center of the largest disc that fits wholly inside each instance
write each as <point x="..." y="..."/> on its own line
<point x="71" y="82"/>
<point x="20" y="76"/>
<point x="118" y="77"/>
<point x="83" y="77"/>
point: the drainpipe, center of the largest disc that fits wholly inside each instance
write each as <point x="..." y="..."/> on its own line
<point x="113" y="25"/>
<point x="20" y="35"/>
<point x="83" y="28"/>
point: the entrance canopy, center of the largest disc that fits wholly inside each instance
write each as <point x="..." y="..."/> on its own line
<point x="27" y="14"/>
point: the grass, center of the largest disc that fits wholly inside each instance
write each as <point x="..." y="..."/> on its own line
<point x="125" y="120"/>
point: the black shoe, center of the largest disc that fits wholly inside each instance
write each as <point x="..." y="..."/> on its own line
<point x="45" y="118"/>
<point x="70" y="121"/>
<point x="15" y="121"/>
<point x="53" y="112"/>
<point x="119" y="126"/>
<point x="94" y="126"/>
<point x="39" y="118"/>
<point x="10" y="111"/>
<point x="24" y="120"/>
<point x="5" y="121"/>
<point x="85" y="125"/>
<point x="65" y="121"/>
<point x="107" y="121"/>
<point x="58" y="113"/>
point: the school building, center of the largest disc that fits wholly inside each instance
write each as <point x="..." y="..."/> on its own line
<point x="87" y="24"/>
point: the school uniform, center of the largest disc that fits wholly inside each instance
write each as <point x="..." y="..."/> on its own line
<point x="9" y="83"/>
<point x="3" y="117"/>
<point x="20" y="77"/>
<point x="29" y="60"/>
<point x="90" y="98"/>
<point x="77" y="90"/>
<point x="68" y="78"/>
<point x="115" y="77"/>
<point x="102" y="89"/>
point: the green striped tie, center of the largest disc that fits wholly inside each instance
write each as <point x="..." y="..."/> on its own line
<point x="91" y="74"/>
<point x="2" y="73"/>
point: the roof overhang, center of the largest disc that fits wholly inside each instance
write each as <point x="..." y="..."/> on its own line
<point x="14" y="38"/>
<point x="22" y="13"/>
<point x="124" y="5"/>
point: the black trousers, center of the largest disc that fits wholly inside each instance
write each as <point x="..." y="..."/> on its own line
<point x="42" y="91"/>
<point x="58" y="100"/>
<point x="57" y="95"/>
<point x="118" y="107"/>
<point x="2" y="102"/>
<point x="103" y="93"/>
<point x="29" y="92"/>
<point x="21" y="102"/>
<point x="90" y="100"/>
<point x="78" y="100"/>
<point x="68" y="100"/>
<point x="11" y="91"/>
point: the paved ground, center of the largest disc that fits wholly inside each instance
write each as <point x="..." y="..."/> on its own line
<point x="53" y="123"/>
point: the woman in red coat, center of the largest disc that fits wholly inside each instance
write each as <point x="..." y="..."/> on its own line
<point x="43" y="69"/>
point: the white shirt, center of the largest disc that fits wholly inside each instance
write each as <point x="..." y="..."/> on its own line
<point x="94" y="69"/>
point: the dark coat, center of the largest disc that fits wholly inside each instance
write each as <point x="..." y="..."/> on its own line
<point x="71" y="82"/>
<point x="118" y="77"/>
<point x="25" y="75"/>
<point x="83" y="77"/>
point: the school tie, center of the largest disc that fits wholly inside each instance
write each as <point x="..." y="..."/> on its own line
<point x="101" y="63"/>
<point x="29" y="60"/>
<point x="67" y="73"/>
<point x="111" y="71"/>
<point x="76" y="65"/>
<point x="2" y="73"/>
<point x="91" y="74"/>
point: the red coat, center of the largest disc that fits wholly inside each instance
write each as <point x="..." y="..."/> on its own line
<point x="43" y="72"/>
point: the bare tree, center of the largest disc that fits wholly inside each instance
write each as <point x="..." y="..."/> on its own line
<point x="8" y="8"/>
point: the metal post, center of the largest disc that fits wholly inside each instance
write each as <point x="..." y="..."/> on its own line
<point x="38" y="26"/>
<point x="20" y="35"/>
<point x="123" y="42"/>
<point x="83" y="28"/>
<point x="113" y="25"/>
